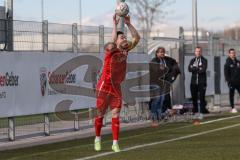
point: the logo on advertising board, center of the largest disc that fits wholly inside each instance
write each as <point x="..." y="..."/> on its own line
<point x="62" y="78"/>
<point x="8" y="79"/>
<point x="48" y="77"/>
<point x="43" y="80"/>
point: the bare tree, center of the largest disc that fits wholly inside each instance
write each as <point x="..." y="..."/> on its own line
<point x="148" y="12"/>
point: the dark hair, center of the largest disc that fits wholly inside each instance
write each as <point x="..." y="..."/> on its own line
<point x="160" y="48"/>
<point x="119" y="32"/>
<point x="198" y="47"/>
<point x="230" y="50"/>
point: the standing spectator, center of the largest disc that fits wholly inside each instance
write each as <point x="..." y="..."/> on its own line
<point x="198" y="68"/>
<point x="173" y="71"/>
<point x="163" y="72"/>
<point x="232" y="76"/>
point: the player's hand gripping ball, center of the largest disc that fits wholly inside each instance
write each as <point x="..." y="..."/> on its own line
<point x="122" y="9"/>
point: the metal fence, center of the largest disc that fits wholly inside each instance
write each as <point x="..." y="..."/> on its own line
<point x="27" y="36"/>
<point x="53" y="37"/>
<point x="39" y="125"/>
<point x="216" y="46"/>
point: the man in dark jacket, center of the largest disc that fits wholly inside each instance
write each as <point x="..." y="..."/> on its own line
<point x="198" y="68"/>
<point x="232" y="76"/>
<point x="163" y="72"/>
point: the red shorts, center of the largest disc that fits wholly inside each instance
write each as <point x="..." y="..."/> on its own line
<point x="108" y="95"/>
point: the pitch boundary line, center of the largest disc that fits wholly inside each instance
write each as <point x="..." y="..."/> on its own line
<point x="220" y="119"/>
<point x="170" y="140"/>
<point x="91" y="144"/>
<point x="160" y="142"/>
<point x="161" y="131"/>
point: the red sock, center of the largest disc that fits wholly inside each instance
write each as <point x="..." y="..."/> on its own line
<point x="98" y="125"/>
<point x="115" y="128"/>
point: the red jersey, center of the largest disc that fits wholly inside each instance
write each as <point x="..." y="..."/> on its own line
<point x="114" y="68"/>
<point x="113" y="73"/>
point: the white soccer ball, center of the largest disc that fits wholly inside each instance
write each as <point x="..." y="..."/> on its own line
<point x="122" y="9"/>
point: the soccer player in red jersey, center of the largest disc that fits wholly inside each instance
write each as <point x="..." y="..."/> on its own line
<point x="108" y="88"/>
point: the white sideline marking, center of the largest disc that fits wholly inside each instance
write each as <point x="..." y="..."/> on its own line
<point x="161" y="142"/>
<point x="220" y="119"/>
<point x="124" y="138"/>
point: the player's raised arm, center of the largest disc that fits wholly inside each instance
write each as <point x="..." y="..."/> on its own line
<point x="134" y="33"/>
<point x="111" y="46"/>
<point x="114" y="31"/>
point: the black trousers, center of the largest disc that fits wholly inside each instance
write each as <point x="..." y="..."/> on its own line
<point x="198" y="92"/>
<point x="232" y="89"/>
